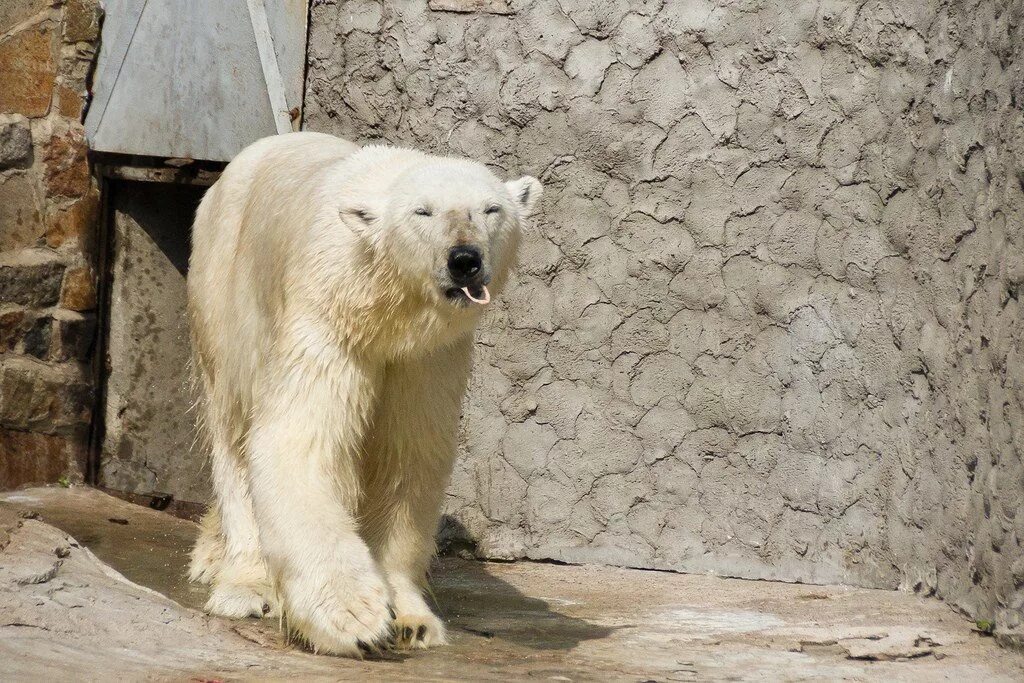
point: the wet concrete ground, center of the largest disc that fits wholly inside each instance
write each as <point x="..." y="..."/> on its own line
<point x="65" y="613"/>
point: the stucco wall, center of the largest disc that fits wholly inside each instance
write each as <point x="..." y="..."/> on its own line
<point x="768" y="324"/>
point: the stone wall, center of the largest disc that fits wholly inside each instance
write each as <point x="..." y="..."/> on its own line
<point x="49" y="206"/>
<point x="768" y="324"/>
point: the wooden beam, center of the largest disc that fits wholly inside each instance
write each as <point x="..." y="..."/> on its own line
<point x="147" y="174"/>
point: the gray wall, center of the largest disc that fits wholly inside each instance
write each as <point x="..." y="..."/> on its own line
<point x="149" y="416"/>
<point x="768" y="324"/>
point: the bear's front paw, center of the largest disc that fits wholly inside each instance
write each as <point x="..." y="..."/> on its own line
<point x="418" y="631"/>
<point x="339" y="614"/>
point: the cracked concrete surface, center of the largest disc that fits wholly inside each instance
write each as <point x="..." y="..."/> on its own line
<point x="80" y="574"/>
<point x="768" y="324"/>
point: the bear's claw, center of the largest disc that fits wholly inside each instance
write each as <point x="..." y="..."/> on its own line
<point x="419" y="631"/>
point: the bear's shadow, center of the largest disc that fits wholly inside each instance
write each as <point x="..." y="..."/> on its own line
<point x="471" y="599"/>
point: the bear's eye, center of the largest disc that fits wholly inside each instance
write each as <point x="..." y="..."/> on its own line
<point x="494" y="208"/>
<point x="423" y="212"/>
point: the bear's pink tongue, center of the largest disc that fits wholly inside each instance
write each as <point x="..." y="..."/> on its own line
<point x="485" y="297"/>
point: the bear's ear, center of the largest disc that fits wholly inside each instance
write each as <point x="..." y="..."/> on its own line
<point x="361" y="214"/>
<point x="525" y="191"/>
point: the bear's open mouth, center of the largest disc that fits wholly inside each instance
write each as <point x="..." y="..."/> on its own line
<point x="477" y="294"/>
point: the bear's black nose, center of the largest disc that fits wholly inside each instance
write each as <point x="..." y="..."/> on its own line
<point x="464" y="264"/>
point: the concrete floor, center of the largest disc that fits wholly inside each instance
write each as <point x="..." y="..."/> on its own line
<point x="65" y="611"/>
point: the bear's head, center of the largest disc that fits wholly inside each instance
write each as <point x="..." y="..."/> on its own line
<point x="450" y="228"/>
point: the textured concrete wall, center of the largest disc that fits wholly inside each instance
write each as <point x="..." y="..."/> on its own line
<point x="769" y="322"/>
<point x="49" y="207"/>
<point x="148" y="417"/>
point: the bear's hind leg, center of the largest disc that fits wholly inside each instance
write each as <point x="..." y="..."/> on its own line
<point x="227" y="553"/>
<point x="208" y="552"/>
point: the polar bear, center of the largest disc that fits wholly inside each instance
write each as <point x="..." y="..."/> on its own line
<point x="333" y="292"/>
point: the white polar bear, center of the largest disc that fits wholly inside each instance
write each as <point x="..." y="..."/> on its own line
<point x="332" y="293"/>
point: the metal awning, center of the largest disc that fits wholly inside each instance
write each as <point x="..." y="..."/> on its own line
<point x="197" y="79"/>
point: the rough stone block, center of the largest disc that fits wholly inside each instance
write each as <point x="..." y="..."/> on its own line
<point x="77" y="223"/>
<point x="15" y="142"/>
<point x="15" y="325"/>
<point x="27" y="71"/>
<point x="75" y="66"/>
<point x="78" y="292"/>
<point x="70" y="101"/>
<point x="12" y="328"/>
<point x="57" y="335"/>
<point x="67" y="169"/>
<point x="20" y="215"/>
<point x="486" y="6"/>
<point x="51" y="399"/>
<point x="13" y="12"/>
<point x="72" y="336"/>
<point x="27" y="458"/>
<point x="81" y="21"/>
<point x="36" y="340"/>
<point x="31" y="278"/>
